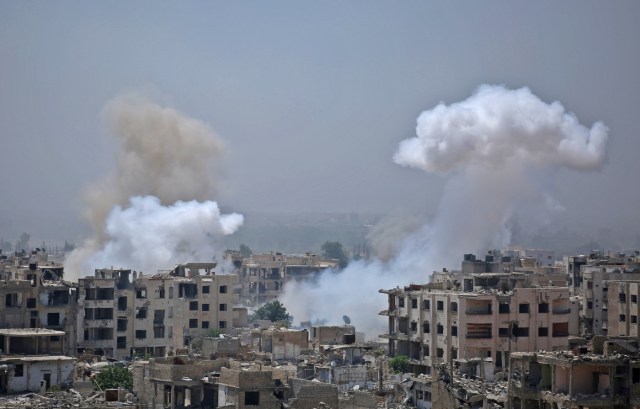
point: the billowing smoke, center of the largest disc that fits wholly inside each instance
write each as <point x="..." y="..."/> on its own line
<point x="147" y="235"/>
<point x="498" y="149"/>
<point x="167" y="158"/>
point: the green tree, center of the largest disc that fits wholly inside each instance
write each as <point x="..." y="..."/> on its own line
<point x="113" y="377"/>
<point x="273" y="311"/>
<point x="399" y="364"/>
<point x="334" y="249"/>
<point x="245" y="251"/>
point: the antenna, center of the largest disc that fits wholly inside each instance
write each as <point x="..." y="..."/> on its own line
<point x="346" y="319"/>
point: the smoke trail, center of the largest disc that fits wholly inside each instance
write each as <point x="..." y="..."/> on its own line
<point x="160" y="153"/>
<point x="498" y="149"/>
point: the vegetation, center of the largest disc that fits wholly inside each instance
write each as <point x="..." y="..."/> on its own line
<point x="196" y="343"/>
<point x="399" y="364"/>
<point x="273" y="311"/>
<point x="334" y="249"/>
<point x="113" y="377"/>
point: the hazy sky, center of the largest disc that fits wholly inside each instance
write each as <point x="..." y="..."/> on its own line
<point x="312" y="98"/>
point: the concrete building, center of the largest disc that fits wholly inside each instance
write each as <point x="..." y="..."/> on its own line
<point x="549" y="380"/>
<point x="609" y="294"/>
<point x="280" y="344"/>
<point x="33" y="360"/>
<point x="242" y="389"/>
<point x="262" y="276"/>
<point x="124" y="313"/>
<point x="432" y="326"/>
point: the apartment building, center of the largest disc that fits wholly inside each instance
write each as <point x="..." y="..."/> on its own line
<point x="263" y="276"/>
<point x="609" y="293"/>
<point x="488" y="309"/>
<point x="125" y="313"/>
<point x="34" y="294"/>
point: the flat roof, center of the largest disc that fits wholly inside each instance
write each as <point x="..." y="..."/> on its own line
<point x="35" y="358"/>
<point x="29" y="332"/>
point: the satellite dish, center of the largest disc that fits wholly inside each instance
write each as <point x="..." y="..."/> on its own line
<point x="346" y="320"/>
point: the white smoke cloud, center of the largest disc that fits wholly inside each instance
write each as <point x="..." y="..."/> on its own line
<point x="498" y="148"/>
<point x="148" y="236"/>
<point x="497" y="125"/>
<point x="159" y="152"/>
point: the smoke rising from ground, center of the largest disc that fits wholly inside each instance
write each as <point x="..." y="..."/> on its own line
<point x="159" y="152"/>
<point x="147" y="235"/>
<point x="499" y="149"/>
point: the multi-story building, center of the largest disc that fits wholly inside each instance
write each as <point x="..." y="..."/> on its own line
<point x="124" y="313"/>
<point x="608" y="287"/>
<point x="35" y="295"/>
<point x="474" y="314"/>
<point x="263" y="276"/>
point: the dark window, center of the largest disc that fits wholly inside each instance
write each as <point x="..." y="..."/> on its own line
<point x="634" y="298"/>
<point x="193" y="323"/>
<point x="161" y="292"/>
<point x="439" y="352"/>
<point x="589" y="285"/>
<point x="425" y="327"/>
<point x="121" y="343"/>
<point x="122" y="303"/>
<point x="141" y="334"/>
<point x="31" y="303"/>
<point x="205" y="324"/>
<point x="252" y="398"/>
<point x="223" y="289"/>
<point x="53" y="318"/>
<point x="401" y="302"/>
<point x="158" y="332"/>
<point x="543" y="307"/>
<point x="206" y="289"/>
<point x="521" y="332"/>
<point x="454" y="330"/>
<point x="623" y="318"/>
<point x="205" y="307"/>
<point x="623" y="297"/>
<point x="223" y="307"/>
<point x="141" y="313"/>
<point x="426" y="304"/>
<point x="589" y="305"/>
<point x="503" y="332"/>
<point x="414" y="326"/>
<point x="141" y="293"/>
<point x="19" y="371"/>
<point x="454" y="306"/>
<point x="193" y="306"/>
<point x="440" y="305"/>
<point x="440" y="329"/>
<point x="414" y="303"/>
<point x="222" y="324"/>
<point x="523" y="308"/>
<point x="543" y="332"/>
<point x="635" y="375"/>
<point x="503" y="308"/>
<point x="634" y="319"/>
<point x="454" y="353"/>
<point x="158" y="316"/>
<point x="122" y="324"/>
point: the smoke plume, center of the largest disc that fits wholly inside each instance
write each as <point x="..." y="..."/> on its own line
<point x="167" y="158"/>
<point x="499" y="150"/>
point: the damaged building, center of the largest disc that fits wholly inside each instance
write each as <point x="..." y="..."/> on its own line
<point x="125" y="313"/>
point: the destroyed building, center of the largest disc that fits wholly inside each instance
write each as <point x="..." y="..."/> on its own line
<point x="124" y="313"/>
<point x="478" y="315"/>
<point x="33" y="359"/>
<point x="263" y="276"/>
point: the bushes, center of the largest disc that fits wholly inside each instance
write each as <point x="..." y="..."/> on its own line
<point x="113" y="377"/>
<point x="399" y="364"/>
